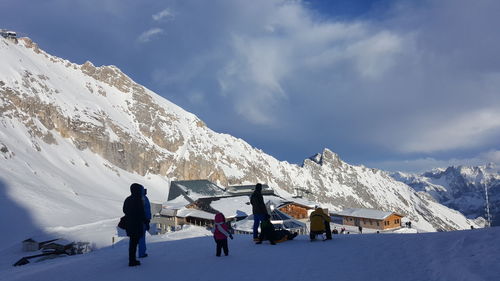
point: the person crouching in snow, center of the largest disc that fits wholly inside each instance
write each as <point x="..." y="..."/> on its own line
<point x="267" y="232"/>
<point x="318" y="220"/>
<point x="221" y="233"/>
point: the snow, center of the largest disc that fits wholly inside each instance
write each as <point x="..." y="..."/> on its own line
<point x="189" y="254"/>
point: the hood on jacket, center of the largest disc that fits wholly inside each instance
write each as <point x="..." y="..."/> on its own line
<point x="319" y="211"/>
<point x="136" y="189"/>
<point x="258" y="188"/>
<point x="219" y="217"/>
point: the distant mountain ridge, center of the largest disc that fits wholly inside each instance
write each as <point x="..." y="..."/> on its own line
<point x="461" y="188"/>
<point x="98" y="119"/>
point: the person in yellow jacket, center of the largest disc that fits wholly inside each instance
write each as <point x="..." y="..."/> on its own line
<point x="319" y="221"/>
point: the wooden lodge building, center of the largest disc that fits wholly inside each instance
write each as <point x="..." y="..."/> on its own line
<point x="296" y="210"/>
<point x="370" y="218"/>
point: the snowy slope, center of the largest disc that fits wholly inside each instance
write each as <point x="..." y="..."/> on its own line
<point x="471" y="255"/>
<point x="73" y="138"/>
<point x="461" y="188"/>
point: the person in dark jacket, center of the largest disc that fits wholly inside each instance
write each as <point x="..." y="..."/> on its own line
<point x="147" y="211"/>
<point x="259" y="209"/>
<point x="267" y="232"/>
<point x="135" y="220"/>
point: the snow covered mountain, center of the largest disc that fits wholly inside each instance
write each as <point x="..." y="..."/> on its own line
<point x="461" y="188"/>
<point x="73" y="138"/>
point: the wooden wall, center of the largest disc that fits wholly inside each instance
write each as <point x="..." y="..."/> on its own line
<point x="392" y="221"/>
<point x="296" y="211"/>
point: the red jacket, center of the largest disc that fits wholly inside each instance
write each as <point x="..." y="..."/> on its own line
<point x="221" y="230"/>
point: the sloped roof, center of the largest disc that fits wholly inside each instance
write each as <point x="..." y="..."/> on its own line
<point x="194" y="189"/>
<point x="249" y="188"/>
<point x="363" y="213"/>
<point x="185" y="212"/>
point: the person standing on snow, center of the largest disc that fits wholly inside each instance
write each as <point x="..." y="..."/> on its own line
<point x="259" y="209"/>
<point x="147" y="212"/>
<point x="221" y="233"/>
<point x="135" y="217"/>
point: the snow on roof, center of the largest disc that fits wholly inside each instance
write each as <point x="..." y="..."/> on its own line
<point x="177" y="203"/>
<point x="187" y="212"/>
<point x="194" y="189"/>
<point x="233" y="206"/>
<point x="364" y="213"/>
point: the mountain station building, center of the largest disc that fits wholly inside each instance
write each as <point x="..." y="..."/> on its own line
<point x="370" y="218"/>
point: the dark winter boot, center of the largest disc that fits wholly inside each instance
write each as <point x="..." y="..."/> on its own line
<point x="134" y="263"/>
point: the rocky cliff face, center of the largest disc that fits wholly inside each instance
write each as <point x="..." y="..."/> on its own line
<point x="461" y="188"/>
<point x="102" y="110"/>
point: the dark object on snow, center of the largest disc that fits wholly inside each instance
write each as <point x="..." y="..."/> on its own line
<point x="274" y="236"/>
<point x="56" y="247"/>
<point x="133" y="207"/>
<point x="259" y="209"/>
<point x="25" y="260"/>
<point x="360" y="228"/>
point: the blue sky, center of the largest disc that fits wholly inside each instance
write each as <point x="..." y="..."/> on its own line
<point x="397" y="85"/>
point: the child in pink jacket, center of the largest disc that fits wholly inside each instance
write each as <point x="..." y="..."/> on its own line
<point x="221" y="233"/>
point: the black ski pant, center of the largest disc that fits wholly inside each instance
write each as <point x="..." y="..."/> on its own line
<point x="328" y="230"/>
<point x="221" y="244"/>
<point x="132" y="247"/>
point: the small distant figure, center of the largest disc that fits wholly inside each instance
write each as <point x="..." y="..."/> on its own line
<point x="259" y="209"/>
<point x="378" y="231"/>
<point x="135" y="218"/>
<point x="319" y="220"/>
<point x="409" y="224"/>
<point x="267" y="232"/>
<point x="360" y="228"/>
<point x="147" y="211"/>
<point x="221" y="233"/>
<point x="471" y="227"/>
<point x="335" y="231"/>
<point x="342" y="230"/>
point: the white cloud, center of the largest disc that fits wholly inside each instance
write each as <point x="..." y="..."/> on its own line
<point x="164" y="14"/>
<point x="420" y="79"/>
<point x="289" y="43"/>
<point x="467" y="130"/>
<point x="148" y="35"/>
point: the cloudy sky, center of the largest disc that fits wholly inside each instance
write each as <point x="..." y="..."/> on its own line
<point x="397" y="85"/>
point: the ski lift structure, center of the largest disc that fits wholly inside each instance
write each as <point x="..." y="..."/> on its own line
<point x="8" y="34"/>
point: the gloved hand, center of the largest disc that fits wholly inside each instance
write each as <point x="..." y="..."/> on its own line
<point x="231" y="236"/>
